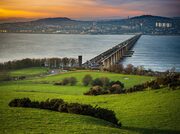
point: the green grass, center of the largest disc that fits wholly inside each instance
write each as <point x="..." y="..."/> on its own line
<point x="29" y="71"/>
<point x="128" y="80"/>
<point x="152" y="111"/>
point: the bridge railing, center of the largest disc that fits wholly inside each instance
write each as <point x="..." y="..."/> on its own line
<point x="103" y="56"/>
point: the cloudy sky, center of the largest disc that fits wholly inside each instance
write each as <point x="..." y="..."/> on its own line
<point x="87" y="9"/>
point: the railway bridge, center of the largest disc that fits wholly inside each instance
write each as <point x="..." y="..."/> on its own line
<point x="113" y="55"/>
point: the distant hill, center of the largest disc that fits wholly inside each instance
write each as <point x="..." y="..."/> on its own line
<point x="150" y="17"/>
<point x="51" y="20"/>
<point x="145" y="24"/>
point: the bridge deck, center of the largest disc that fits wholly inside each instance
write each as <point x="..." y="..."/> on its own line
<point x="97" y="61"/>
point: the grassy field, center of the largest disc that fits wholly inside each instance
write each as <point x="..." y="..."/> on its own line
<point x="144" y="112"/>
<point x="29" y="71"/>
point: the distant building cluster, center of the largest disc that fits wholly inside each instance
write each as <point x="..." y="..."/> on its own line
<point x="163" y="25"/>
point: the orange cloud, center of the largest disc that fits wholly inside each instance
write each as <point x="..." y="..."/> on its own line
<point x="57" y="8"/>
<point x="6" y="13"/>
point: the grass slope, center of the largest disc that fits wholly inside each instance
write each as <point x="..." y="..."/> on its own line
<point x="140" y="113"/>
<point x="29" y="71"/>
<point x="128" y="80"/>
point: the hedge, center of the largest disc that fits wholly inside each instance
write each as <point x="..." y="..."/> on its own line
<point x="61" y="106"/>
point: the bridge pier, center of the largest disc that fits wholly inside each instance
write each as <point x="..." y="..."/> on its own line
<point x="113" y="55"/>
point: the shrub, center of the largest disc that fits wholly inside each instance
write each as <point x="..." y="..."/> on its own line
<point x="87" y="80"/>
<point x="22" y="77"/>
<point x="116" y="89"/>
<point x="97" y="82"/>
<point x="61" y="106"/>
<point x="55" y="103"/>
<point x="105" y="81"/>
<point x="65" y="81"/>
<point x="155" y="85"/>
<point x="72" y="81"/>
<point x="69" y="80"/>
<point x="116" y="82"/>
<point x="96" y="90"/>
<point x="24" y="102"/>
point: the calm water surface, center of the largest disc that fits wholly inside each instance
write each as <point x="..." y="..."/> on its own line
<point x="18" y="46"/>
<point x="158" y="53"/>
<point x="155" y="52"/>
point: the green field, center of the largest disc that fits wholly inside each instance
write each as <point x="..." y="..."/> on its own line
<point x="151" y="111"/>
<point x="29" y="71"/>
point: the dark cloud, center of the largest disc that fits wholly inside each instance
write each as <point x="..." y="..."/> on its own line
<point x="156" y="7"/>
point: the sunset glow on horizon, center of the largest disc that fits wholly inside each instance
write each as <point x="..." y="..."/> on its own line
<point x="86" y="9"/>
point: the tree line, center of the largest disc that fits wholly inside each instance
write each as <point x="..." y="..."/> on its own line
<point x="44" y="62"/>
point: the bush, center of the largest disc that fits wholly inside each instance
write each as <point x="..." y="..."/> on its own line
<point x="72" y="81"/>
<point x="96" y="90"/>
<point x="22" y="77"/>
<point x="116" y="89"/>
<point x="69" y="80"/>
<point x="24" y="102"/>
<point x="155" y="85"/>
<point x="87" y="80"/>
<point x="116" y="82"/>
<point x="61" y="106"/>
<point x="97" y="82"/>
<point x="105" y="81"/>
<point x="65" y="81"/>
<point x="104" y="86"/>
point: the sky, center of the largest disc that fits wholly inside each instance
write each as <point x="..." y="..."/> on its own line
<point x="86" y="9"/>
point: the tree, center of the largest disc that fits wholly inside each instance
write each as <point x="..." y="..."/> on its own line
<point x="73" y="62"/>
<point x="129" y="69"/>
<point x="65" y="61"/>
<point x="87" y="80"/>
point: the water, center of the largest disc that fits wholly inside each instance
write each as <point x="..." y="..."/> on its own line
<point x="18" y="46"/>
<point x="158" y="53"/>
<point x="155" y="52"/>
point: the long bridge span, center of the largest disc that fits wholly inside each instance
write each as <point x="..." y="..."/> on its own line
<point x="113" y="55"/>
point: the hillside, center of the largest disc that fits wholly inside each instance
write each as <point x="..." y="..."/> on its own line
<point x="151" y="111"/>
<point x="140" y="24"/>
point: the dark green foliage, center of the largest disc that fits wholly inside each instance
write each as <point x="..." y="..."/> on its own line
<point x="61" y="106"/>
<point x="167" y="79"/>
<point x="117" y="82"/>
<point x="21" y="77"/>
<point x="72" y="81"/>
<point x="26" y="63"/>
<point x="104" y="86"/>
<point x="96" y="90"/>
<point x="87" y="80"/>
<point x="116" y="89"/>
<point x="155" y="85"/>
<point x="105" y="81"/>
<point x="97" y="82"/>
<point x="67" y="81"/>
<point x="35" y="104"/>
<point x="24" y="102"/>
